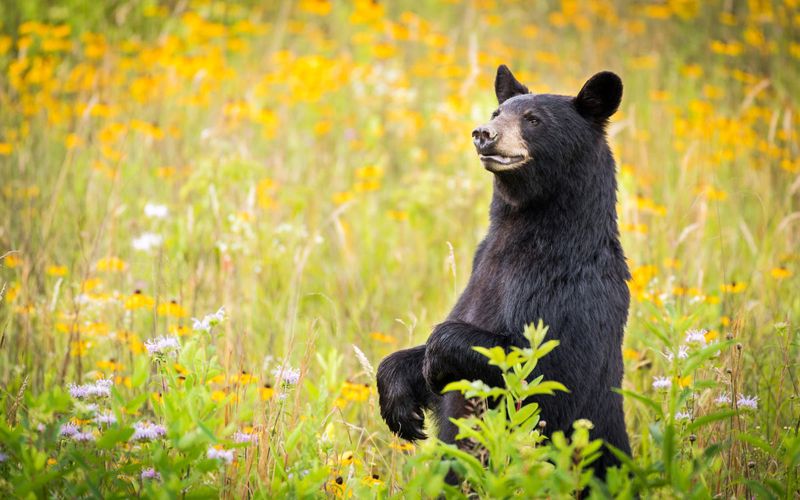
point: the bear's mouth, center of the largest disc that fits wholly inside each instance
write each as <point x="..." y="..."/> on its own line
<point x="492" y="162"/>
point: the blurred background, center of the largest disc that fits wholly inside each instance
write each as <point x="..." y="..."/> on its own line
<point x="308" y="166"/>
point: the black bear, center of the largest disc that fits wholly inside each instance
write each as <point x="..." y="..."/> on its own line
<point x="552" y="252"/>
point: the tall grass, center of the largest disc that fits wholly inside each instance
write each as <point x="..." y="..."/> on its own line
<point x="308" y="166"/>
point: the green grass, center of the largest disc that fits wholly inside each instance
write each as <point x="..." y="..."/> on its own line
<point x="316" y="165"/>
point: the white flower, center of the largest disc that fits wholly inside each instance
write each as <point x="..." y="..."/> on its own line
<point x="162" y="345"/>
<point x="3" y="456"/>
<point x="220" y="454"/>
<point x="683" y="353"/>
<point x="209" y="321"/>
<point x="156" y="211"/>
<point x="286" y="374"/>
<point x="147" y="241"/>
<point x="696" y="337"/>
<point x="683" y="415"/>
<point x="747" y="402"/>
<point x="662" y="383"/>
<point x="147" y="431"/>
<point x="723" y="399"/>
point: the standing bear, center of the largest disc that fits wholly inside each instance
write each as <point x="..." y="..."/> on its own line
<point x="552" y="252"/>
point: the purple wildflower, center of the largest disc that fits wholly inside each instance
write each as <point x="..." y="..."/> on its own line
<point x="245" y="437"/>
<point x="220" y="454"/>
<point x="162" y="345"/>
<point x="147" y="431"/>
<point x="68" y="430"/>
<point x="150" y="474"/>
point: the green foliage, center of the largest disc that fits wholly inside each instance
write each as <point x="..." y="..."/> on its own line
<point x="308" y="165"/>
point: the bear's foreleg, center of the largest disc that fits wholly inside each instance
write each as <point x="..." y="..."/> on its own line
<point x="450" y="355"/>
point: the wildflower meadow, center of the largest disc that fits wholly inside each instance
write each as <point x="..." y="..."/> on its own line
<point x="216" y="218"/>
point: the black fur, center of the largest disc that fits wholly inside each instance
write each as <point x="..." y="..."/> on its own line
<point x="552" y="252"/>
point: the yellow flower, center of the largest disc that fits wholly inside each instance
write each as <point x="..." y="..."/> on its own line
<point x="398" y="215"/>
<point x="110" y="365"/>
<point x="780" y="273"/>
<point x="366" y="186"/>
<point x="347" y="458"/>
<point x="12" y="260"/>
<point x="684" y="382"/>
<point x="733" y="287"/>
<point x="369" y="172"/>
<point x="382" y="337"/>
<point x="218" y="396"/>
<point x="630" y="354"/>
<point x="179" y="330"/>
<point x="12" y="291"/>
<point x="173" y="309"/>
<point x="79" y="348"/>
<point x="342" y="197"/>
<point x="383" y="50"/>
<point x="401" y="446"/>
<point x="692" y="71"/>
<point x="713" y="194"/>
<point x="372" y="480"/>
<point x="6" y="148"/>
<point x="242" y="378"/>
<point x="338" y="488"/>
<point x="355" y="392"/>
<point x="316" y="7"/>
<point x="322" y="127"/>
<point x="266" y="392"/>
<point x="731" y="49"/>
<point x="5" y="44"/>
<point x="657" y="11"/>
<point x="111" y="264"/>
<point x="54" y="270"/>
<point x="138" y="300"/>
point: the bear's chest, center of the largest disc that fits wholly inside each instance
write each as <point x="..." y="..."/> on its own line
<point x="509" y="288"/>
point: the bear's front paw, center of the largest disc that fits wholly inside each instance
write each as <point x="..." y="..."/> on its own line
<point x="399" y="394"/>
<point x="404" y="419"/>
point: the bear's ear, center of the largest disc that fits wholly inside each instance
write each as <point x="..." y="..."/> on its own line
<point x="506" y="86"/>
<point x="600" y="97"/>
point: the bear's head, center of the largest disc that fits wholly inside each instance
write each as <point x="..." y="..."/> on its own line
<point x="540" y="146"/>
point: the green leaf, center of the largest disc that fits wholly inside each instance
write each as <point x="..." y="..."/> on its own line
<point x="759" y="489"/>
<point x="757" y="442"/>
<point x="697" y="358"/>
<point x="294" y="437"/>
<point x="473" y="465"/>
<point x="707" y="419"/>
<point x="643" y="399"/>
<point x="545" y="348"/>
<point x="549" y="387"/>
<point x="113" y="436"/>
<point x="524" y="414"/>
<point x="140" y="372"/>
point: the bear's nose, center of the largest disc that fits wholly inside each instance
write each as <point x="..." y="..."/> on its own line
<point x="483" y="137"/>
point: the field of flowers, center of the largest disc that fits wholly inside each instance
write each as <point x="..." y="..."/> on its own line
<point x="217" y="218"/>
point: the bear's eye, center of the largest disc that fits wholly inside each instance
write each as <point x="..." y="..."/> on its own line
<point x="533" y="119"/>
<point x="495" y="114"/>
